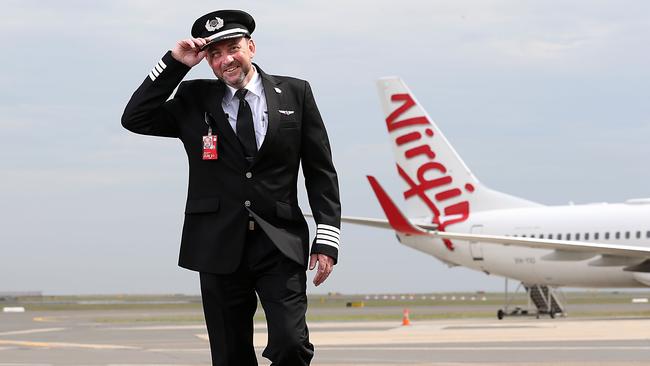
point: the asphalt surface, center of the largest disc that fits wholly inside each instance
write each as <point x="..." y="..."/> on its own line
<point x="77" y="338"/>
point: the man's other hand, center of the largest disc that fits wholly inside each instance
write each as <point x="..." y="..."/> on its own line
<point x="325" y="267"/>
<point x="188" y="51"/>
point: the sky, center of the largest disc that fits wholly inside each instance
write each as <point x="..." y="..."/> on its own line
<point x="545" y="100"/>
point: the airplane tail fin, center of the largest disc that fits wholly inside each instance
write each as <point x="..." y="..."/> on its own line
<point x="439" y="184"/>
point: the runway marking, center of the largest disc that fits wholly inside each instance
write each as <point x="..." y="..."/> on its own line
<point x="24" y="364"/>
<point x="257" y="326"/>
<point x="471" y="327"/>
<point x="431" y="348"/>
<point x="175" y="350"/>
<point x="488" y="348"/>
<point x="62" y="345"/>
<point x="204" y="337"/>
<point x="44" y="319"/>
<point x="162" y="327"/>
<point x="31" y="331"/>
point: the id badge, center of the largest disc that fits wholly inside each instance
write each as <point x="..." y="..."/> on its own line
<point x="210" y="147"/>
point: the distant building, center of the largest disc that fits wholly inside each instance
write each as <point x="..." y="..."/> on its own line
<point x="13" y="295"/>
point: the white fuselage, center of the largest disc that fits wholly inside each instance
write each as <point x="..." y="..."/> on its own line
<point x="597" y="223"/>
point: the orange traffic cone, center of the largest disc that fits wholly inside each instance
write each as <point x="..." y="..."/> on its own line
<point x="405" y="317"/>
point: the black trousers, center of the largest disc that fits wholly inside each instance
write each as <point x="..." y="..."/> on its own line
<point x="229" y="303"/>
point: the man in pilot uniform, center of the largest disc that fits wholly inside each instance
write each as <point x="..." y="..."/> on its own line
<point x="245" y="135"/>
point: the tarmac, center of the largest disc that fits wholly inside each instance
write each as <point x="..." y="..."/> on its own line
<point x="77" y="338"/>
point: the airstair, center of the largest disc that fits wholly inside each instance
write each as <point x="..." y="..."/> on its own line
<point x="545" y="300"/>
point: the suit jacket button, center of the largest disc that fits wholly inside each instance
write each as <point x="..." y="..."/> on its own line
<point x="249" y="175"/>
<point x="247" y="203"/>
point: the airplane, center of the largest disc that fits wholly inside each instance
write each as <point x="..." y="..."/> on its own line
<point x="452" y="216"/>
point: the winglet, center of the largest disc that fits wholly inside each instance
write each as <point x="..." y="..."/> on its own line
<point x="396" y="219"/>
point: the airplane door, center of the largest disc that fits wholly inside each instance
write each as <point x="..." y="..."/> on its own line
<point x="475" y="247"/>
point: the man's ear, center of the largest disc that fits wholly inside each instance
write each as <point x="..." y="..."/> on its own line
<point x="251" y="46"/>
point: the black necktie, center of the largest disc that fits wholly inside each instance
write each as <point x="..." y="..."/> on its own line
<point x="245" y="129"/>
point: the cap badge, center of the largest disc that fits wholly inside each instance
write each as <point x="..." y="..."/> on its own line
<point x="214" y="24"/>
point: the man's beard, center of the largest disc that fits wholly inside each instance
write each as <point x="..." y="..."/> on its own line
<point x="242" y="77"/>
<point x="239" y="82"/>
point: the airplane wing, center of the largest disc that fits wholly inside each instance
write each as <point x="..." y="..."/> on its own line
<point x="559" y="245"/>
<point x="365" y="221"/>
<point x="567" y="250"/>
<point x="378" y="223"/>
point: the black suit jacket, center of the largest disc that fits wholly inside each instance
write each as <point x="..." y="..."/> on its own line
<point x="224" y="193"/>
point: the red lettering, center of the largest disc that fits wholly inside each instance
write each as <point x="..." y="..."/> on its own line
<point x="420" y="150"/>
<point x="448" y="243"/>
<point x="420" y="191"/>
<point x="415" y="189"/>
<point x="408" y="104"/>
<point x="460" y="208"/>
<point x="407" y="122"/>
<point x="432" y="165"/>
<point x="457" y="212"/>
<point x="455" y="192"/>
<point x="409" y="137"/>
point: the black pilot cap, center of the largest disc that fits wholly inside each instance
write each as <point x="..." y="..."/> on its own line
<point x="223" y="24"/>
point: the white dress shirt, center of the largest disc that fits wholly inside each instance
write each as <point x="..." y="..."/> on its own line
<point x="257" y="101"/>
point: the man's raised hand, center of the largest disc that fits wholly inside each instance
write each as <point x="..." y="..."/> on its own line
<point x="188" y="51"/>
